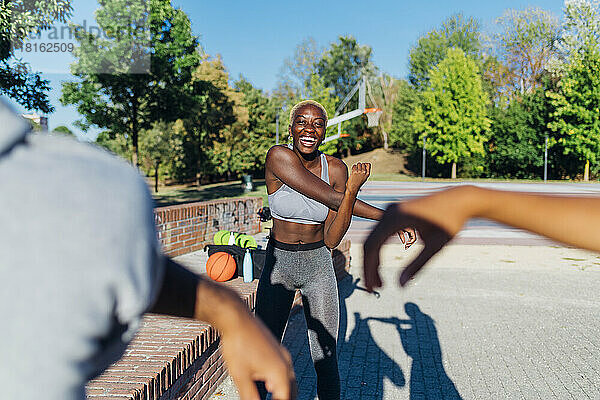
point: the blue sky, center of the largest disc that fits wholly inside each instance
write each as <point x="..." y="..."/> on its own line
<point x="255" y="37"/>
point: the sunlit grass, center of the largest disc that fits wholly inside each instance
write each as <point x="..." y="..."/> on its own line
<point x="223" y="190"/>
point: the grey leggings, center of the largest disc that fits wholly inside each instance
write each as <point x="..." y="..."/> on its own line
<point x="309" y="268"/>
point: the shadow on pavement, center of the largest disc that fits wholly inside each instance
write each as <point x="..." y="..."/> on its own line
<point x="428" y="378"/>
<point x="363" y="365"/>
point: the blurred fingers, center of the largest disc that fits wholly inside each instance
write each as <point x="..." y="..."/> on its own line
<point x="281" y="393"/>
<point x="246" y="387"/>
<point x="371" y="269"/>
<point x="433" y="244"/>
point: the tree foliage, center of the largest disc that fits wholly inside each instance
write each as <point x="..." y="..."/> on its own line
<point x="64" y="130"/>
<point x="523" y="48"/>
<point x="580" y="32"/>
<point x="342" y="65"/>
<point x="18" y="20"/>
<point x="111" y="93"/>
<point x="516" y="145"/>
<point x="430" y="49"/>
<point x="576" y="119"/>
<point x="260" y="130"/>
<point x="212" y="111"/>
<point x="453" y="113"/>
<point x="117" y="145"/>
<point x="402" y="131"/>
<point x="385" y="89"/>
<point x="296" y="72"/>
<point x="156" y="148"/>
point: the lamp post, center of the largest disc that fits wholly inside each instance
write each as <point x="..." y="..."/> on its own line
<point x="424" y="155"/>
<point x="546" y="159"/>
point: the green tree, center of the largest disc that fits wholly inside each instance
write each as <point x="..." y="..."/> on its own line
<point x="452" y="115"/>
<point x="64" y="130"/>
<point x="580" y="32"/>
<point x="296" y="72"/>
<point x="260" y="128"/>
<point x="342" y="65"/>
<point x="430" y="49"/>
<point x="116" y="145"/>
<point x="517" y="136"/>
<point x="18" y="20"/>
<point x="576" y="119"/>
<point x="213" y="110"/>
<point x="402" y="131"/>
<point x="522" y="50"/>
<point x="115" y="91"/>
<point x="156" y="148"/>
<point x="232" y="154"/>
<point x="385" y="90"/>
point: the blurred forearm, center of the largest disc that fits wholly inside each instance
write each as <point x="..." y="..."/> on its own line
<point x="571" y="220"/>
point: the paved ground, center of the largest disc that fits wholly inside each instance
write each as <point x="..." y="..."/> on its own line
<point x="485" y="320"/>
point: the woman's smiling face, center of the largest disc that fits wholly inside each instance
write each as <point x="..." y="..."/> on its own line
<point x="308" y="128"/>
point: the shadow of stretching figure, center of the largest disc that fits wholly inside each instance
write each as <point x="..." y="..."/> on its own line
<point x="362" y="363"/>
<point x="428" y="378"/>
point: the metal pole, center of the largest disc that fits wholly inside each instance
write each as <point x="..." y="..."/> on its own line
<point x="546" y="159"/>
<point x="277" y="129"/>
<point x="424" y="154"/>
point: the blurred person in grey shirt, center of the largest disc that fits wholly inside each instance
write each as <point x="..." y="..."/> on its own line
<point x="80" y="264"/>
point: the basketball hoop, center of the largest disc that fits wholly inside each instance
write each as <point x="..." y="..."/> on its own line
<point x="373" y="115"/>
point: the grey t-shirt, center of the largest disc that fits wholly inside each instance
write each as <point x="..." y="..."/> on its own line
<point x="79" y="261"/>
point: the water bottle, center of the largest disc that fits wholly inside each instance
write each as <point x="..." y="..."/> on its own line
<point x="231" y="238"/>
<point x="247" y="267"/>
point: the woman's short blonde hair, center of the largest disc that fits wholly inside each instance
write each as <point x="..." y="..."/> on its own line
<point x="304" y="103"/>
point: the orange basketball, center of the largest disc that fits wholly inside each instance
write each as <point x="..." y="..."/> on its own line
<point x="221" y="266"/>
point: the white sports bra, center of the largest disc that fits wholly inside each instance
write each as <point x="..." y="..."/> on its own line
<point x="289" y="205"/>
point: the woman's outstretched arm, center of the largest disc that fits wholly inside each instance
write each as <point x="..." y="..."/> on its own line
<point x="440" y="216"/>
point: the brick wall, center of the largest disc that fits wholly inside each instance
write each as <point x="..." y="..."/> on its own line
<point x="177" y="358"/>
<point x="189" y="227"/>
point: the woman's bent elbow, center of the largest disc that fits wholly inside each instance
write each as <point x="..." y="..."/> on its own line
<point x="331" y="244"/>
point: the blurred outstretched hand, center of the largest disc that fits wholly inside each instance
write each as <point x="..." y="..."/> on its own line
<point x="437" y="218"/>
